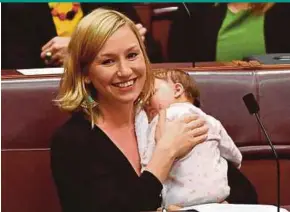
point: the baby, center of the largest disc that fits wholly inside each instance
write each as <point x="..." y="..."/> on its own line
<point x="200" y="176"/>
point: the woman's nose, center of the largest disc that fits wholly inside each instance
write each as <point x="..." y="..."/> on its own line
<point x="124" y="69"/>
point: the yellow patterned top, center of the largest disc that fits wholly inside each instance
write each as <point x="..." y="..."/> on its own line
<point x="65" y="28"/>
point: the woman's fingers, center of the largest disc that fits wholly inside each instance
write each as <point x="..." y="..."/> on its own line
<point x="189" y="118"/>
<point x="202" y="130"/>
<point x="55" y="60"/>
<point x="198" y="139"/>
<point x="52" y="49"/>
<point x="198" y="136"/>
<point x="194" y="122"/>
<point x="142" y="30"/>
<point x="47" y="45"/>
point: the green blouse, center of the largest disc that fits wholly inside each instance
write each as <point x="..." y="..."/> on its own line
<point x="240" y="35"/>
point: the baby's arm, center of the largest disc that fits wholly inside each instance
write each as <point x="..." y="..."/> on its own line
<point x="228" y="148"/>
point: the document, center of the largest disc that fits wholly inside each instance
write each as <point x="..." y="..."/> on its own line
<point x="40" y="71"/>
<point x="215" y="207"/>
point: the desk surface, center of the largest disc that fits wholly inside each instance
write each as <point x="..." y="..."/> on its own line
<point x="202" y="66"/>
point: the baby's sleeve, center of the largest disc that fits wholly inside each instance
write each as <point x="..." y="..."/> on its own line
<point x="228" y="148"/>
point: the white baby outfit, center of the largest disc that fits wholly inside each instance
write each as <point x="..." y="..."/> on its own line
<point x="200" y="176"/>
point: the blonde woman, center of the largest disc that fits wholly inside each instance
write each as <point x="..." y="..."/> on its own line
<point x="94" y="156"/>
<point x="229" y="31"/>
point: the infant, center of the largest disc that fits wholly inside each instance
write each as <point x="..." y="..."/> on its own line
<point x="200" y="176"/>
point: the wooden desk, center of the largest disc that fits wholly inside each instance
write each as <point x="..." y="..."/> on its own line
<point x="201" y="66"/>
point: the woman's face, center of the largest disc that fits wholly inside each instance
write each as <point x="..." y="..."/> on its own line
<point x="119" y="71"/>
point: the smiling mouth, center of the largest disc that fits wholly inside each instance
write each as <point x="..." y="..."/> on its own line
<point x="125" y="84"/>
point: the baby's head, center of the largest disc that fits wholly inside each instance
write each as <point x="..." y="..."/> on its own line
<point x="171" y="86"/>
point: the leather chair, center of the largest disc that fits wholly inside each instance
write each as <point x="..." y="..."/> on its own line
<point x="221" y="96"/>
<point x="28" y="121"/>
<point x="29" y="118"/>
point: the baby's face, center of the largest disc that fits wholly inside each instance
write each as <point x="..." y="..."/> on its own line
<point x="163" y="96"/>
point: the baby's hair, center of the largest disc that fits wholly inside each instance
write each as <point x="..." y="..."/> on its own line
<point x="179" y="76"/>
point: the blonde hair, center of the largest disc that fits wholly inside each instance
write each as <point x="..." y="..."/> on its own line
<point x="86" y="41"/>
<point x="178" y="76"/>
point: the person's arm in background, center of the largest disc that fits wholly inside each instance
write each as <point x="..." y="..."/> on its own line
<point x="58" y="45"/>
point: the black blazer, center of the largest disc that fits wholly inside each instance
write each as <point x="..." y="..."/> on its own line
<point x="194" y="39"/>
<point x="26" y="27"/>
<point x="92" y="174"/>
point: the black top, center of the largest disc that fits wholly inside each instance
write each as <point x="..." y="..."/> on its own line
<point x="26" y="27"/>
<point x="92" y="174"/>
<point x="194" y="39"/>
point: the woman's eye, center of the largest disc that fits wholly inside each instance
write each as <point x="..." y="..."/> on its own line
<point x="107" y="62"/>
<point x="132" y="55"/>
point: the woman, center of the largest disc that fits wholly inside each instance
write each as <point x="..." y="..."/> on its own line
<point x="94" y="156"/>
<point x="30" y="30"/>
<point x="226" y="32"/>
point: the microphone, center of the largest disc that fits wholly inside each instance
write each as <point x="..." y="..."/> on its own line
<point x="254" y="108"/>
<point x="186" y="9"/>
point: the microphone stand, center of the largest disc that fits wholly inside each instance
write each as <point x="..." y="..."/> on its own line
<point x="253" y="108"/>
<point x="276" y="159"/>
<point x="190" y="40"/>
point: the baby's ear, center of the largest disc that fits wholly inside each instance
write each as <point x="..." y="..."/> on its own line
<point x="178" y="90"/>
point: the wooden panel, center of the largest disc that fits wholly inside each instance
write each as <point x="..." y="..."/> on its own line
<point x="27" y="184"/>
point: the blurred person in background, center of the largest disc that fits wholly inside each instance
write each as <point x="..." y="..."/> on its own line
<point x="36" y="35"/>
<point x="228" y="31"/>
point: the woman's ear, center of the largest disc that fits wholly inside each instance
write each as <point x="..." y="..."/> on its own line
<point x="178" y="90"/>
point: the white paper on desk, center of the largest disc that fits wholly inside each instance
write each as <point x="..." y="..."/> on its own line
<point x="215" y="207"/>
<point x="41" y="71"/>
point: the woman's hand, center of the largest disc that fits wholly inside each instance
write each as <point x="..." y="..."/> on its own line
<point x="57" y="46"/>
<point x="181" y="135"/>
<point x="174" y="140"/>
